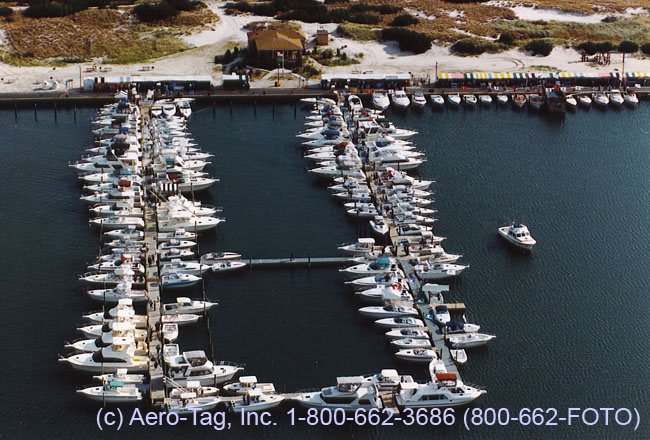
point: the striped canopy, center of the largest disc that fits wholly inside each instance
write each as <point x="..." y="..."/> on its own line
<point x="637" y="74"/>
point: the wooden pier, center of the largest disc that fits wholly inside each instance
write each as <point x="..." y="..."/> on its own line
<point x="298" y="262"/>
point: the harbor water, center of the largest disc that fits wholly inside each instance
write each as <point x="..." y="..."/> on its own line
<point x="572" y="317"/>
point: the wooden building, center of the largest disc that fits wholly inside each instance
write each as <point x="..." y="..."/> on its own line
<point x="265" y="46"/>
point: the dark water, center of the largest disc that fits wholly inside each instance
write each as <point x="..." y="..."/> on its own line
<point x="572" y="318"/>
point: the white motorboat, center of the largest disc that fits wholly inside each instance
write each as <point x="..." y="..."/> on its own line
<point x="437" y="101"/>
<point x="218" y="257"/>
<point x="441" y="315"/>
<point x="124" y="209"/>
<point x="175" y="243"/>
<point x="418" y="100"/>
<point x="380" y="266"/>
<point x="518" y="235"/>
<point x="519" y="101"/>
<point x="458" y="327"/>
<point x="502" y="99"/>
<point x="408" y="333"/>
<point x="417" y="355"/>
<point x="616" y="99"/>
<point x="400" y="100"/>
<point x="189" y="222"/>
<point x="124" y="243"/>
<point x="350" y="394"/>
<point x="117" y="329"/>
<point x="182" y="266"/>
<point x="174" y="253"/>
<point x="535" y="101"/>
<point x="177" y="234"/>
<point x="470" y="100"/>
<point x="110" y="223"/>
<point x="178" y="280"/>
<point x="246" y="384"/>
<point x="459" y="356"/>
<point x="383" y="293"/>
<point x="128" y="233"/>
<point x="427" y="271"/>
<point x="445" y="390"/>
<point x="453" y="99"/>
<point x="485" y="100"/>
<point x="631" y="99"/>
<point x="378" y="225"/>
<point x="113" y="265"/>
<point x="180" y="319"/>
<point x="169" y="109"/>
<point x="411" y="343"/>
<point x="601" y="99"/>
<point x="571" y="102"/>
<point x="387" y="278"/>
<point x="469" y="340"/>
<point x="120" y="291"/>
<point x="227" y="266"/>
<point x="354" y="103"/>
<point x="120" y="355"/>
<point x="192" y="387"/>
<point x="189" y="403"/>
<point x="362" y="246"/>
<point x="255" y="400"/>
<point x="186" y="305"/>
<point x="184" y="107"/>
<point x="195" y="366"/>
<point x="169" y="332"/>
<point x="121" y="375"/>
<point x="113" y="392"/>
<point x="399" y="322"/>
<point x="390" y="311"/>
<point x="584" y="100"/>
<point x="363" y="211"/>
<point x="380" y="99"/>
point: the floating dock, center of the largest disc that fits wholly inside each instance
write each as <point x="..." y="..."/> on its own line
<point x="298" y="262"/>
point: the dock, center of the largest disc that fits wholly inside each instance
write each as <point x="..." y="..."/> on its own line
<point x="298" y="262"/>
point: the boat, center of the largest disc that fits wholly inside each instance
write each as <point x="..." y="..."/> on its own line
<point x="601" y="99"/>
<point x="121" y="375"/>
<point x="535" y="101"/>
<point x="453" y="99"/>
<point x="502" y="99"/>
<point x="418" y="100"/>
<point x="179" y="319"/>
<point x="378" y="225"/>
<point x="255" y="400"/>
<point x="436" y="271"/>
<point x="437" y="101"/>
<point x="189" y="403"/>
<point x="469" y="340"/>
<point x="470" y="100"/>
<point x="120" y="291"/>
<point x="631" y="99"/>
<point x="616" y="99"/>
<point x="571" y="102"/>
<point x="350" y="394"/>
<point x="218" y="257"/>
<point x="184" y="107"/>
<point x="246" y="384"/>
<point x="120" y="355"/>
<point x="187" y="221"/>
<point x="175" y="253"/>
<point x="195" y="366"/>
<point x="400" y="100"/>
<point x="192" y="386"/>
<point x="459" y="356"/>
<point x="518" y="235"/>
<point x="169" y="332"/>
<point x="362" y="246"/>
<point x="169" y="109"/>
<point x="175" y="243"/>
<point x="584" y="100"/>
<point x="182" y="266"/>
<point x="354" y="103"/>
<point x="408" y="333"/>
<point x="380" y="99"/>
<point x="176" y="234"/>
<point x="411" y="343"/>
<point x="118" y="222"/>
<point x="386" y="278"/>
<point x="519" y="101"/>
<point x="186" y="305"/>
<point x="485" y="100"/>
<point x="420" y="355"/>
<point x="399" y="322"/>
<point x="225" y="266"/>
<point x="128" y="233"/>
<point x="389" y="311"/>
<point x="458" y="327"/>
<point x="445" y="390"/>
<point x="441" y="315"/>
<point x="380" y="266"/>
<point x="113" y="392"/>
<point x="177" y="280"/>
<point x="383" y="293"/>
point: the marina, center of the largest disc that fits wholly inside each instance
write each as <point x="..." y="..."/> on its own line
<point x="256" y="249"/>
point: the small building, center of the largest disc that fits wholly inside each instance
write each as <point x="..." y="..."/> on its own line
<point x="265" y="46"/>
<point x="322" y="37"/>
<point x="186" y="84"/>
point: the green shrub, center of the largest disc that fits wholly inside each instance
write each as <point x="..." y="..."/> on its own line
<point x="388" y="9"/>
<point x="467" y="47"/>
<point x="327" y="54"/>
<point x="364" y="19"/>
<point x="154" y="11"/>
<point x="404" y="20"/>
<point x="411" y="41"/>
<point x="339" y="15"/>
<point x="507" y="38"/>
<point x="645" y="48"/>
<point x="539" y="47"/>
<point x="627" y="46"/>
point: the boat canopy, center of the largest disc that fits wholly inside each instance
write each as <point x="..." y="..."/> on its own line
<point x="349" y="380"/>
<point x="455" y="325"/>
<point x="331" y="132"/>
<point x="366" y="241"/>
<point x="441" y="309"/>
<point x="434" y="288"/>
<point x="446" y="376"/>
<point x="383" y="261"/>
<point x="248" y="379"/>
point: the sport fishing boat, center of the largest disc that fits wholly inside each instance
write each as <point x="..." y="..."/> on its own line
<point x="186" y="305"/>
<point x="380" y="99"/>
<point x="445" y="390"/>
<point x="255" y="400"/>
<point x="120" y="355"/>
<point x="518" y="235"/>
<point x="195" y="366"/>
<point x="113" y="392"/>
<point x="246" y="384"/>
<point x="350" y="394"/>
<point x="227" y="266"/>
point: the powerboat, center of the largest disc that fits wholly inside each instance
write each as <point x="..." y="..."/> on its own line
<point x="386" y="278"/>
<point x="186" y="305"/>
<point x="378" y="225"/>
<point x="502" y="99"/>
<point x="182" y="266"/>
<point x="441" y="315"/>
<point x="390" y="311"/>
<point x="411" y="343"/>
<point x="616" y="99"/>
<point x="362" y="246"/>
<point x="383" y="293"/>
<point x="121" y="291"/>
<point x="380" y="266"/>
<point x="518" y="235"/>
<point x="485" y="100"/>
<point x="175" y="243"/>
<point x="453" y="99"/>
<point x="177" y="280"/>
<point x="631" y="99"/>
<point x="113" y="392"/>
<point x="437" y="271"/>
<point x="601" y="99"/>
<point x="350" y="394"/>
<point x="399" y="322"/>
<point x="120" y="355"/>
<point x="571" y="102"/>
<point x="175" y="253"/>
<point x="255" y="400"/>
<point x="195" y="366"/>
<point x="128" y="233"/>
<point x="227" y="266"/>
<point x="218" y="257"/>
<point x="417" y="355"/>
<point x="418" y="100"/>
<point x="459" y="356"/>
<point x="584" y="100"/>
<point x="399" y="100"/>
<point x="380" y="99"/>
<point x="457" y="327"/>
<point x="445" y="390"/>
<point x="408" y="333"/>
<point x="119" y="222"/>
<point x="177" y="234"/>
<point x="519" y="101"/>
<point x="470" y="100"/>
<point x="469" y="340"/>
<point x="246" y="384"/>
<point x="354" y="103"/>
<point x="535" y="101"/>
<point x="437" y="101"/>
<point x="189" y="403"/>
<point x="121" y="375"/>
